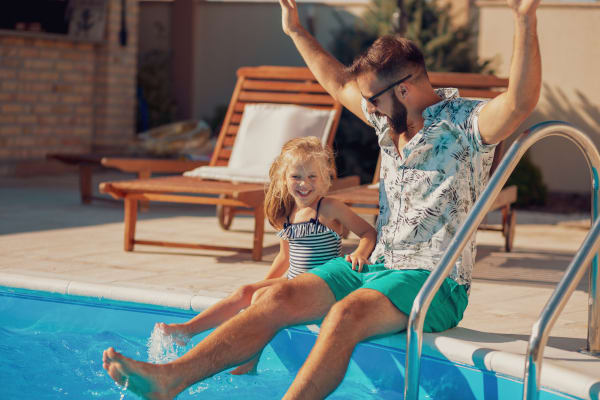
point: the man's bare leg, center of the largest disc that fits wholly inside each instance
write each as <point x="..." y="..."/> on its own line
<point x="305" y="298"/>
<point x="362" y="314"/>
<point x="216" y="314"/>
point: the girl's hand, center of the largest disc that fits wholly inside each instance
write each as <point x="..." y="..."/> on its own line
<point x="290" y="21"/>
<point x="357" y="260"/>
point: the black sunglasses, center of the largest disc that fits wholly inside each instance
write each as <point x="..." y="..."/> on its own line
<point x="376" y="95"/>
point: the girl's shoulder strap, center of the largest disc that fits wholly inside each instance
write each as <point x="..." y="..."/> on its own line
<point x="318" y="207"/>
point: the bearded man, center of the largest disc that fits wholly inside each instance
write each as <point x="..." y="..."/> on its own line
<point x="436" y="151"/>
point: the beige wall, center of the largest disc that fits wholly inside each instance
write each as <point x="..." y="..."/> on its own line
<point x="155" y="27"/>
<point x="461" y="10"/>
<point x="226" y="36"/>
<point x="570" y="47"/>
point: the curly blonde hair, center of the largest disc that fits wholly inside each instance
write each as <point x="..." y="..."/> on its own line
<point x="278" y="201"/>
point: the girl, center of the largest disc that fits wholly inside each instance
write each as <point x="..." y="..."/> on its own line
<point x="310" y="224"/>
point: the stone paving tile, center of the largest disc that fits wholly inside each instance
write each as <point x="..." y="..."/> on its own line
<point x="44" y="231"/>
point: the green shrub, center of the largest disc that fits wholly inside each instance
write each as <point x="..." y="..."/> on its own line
<point x="154" y="82"/>
<point x="530" y="185"/>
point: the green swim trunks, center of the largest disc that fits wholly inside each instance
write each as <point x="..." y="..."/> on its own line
<point x="400" y="287"/>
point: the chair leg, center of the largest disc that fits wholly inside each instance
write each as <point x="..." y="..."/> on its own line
<point x="259" y="232"/>
<point x="509" y="229"/>
<point x="144" y="204"/>
<point x="85" y="183"/>
<point x="131" y="206"/>
<point x="225" y="214"/>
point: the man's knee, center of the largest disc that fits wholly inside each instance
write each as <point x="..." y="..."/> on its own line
<point x="346" y="317"/>
<point x="279" y="295"/>
<point x="244" y="292"/>
<point x="258" y="294"/>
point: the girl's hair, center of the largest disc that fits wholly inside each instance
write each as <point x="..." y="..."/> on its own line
<point x="278" y="201"/>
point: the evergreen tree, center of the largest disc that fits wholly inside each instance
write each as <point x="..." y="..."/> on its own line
<point x="446" y="47"/>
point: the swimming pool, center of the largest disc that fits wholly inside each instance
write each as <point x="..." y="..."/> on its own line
<point x="51" y="347"/>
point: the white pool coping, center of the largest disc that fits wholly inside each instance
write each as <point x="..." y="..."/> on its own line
<point x="560" y="371"/>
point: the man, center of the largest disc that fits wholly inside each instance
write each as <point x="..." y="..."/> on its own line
<point x="436" y="152"/>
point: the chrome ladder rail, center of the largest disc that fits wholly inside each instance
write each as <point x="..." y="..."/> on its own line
<point x="414" y="330"/>
<point x="556" y="303"/>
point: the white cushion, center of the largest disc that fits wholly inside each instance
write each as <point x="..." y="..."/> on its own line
<point x="263" y="131"/>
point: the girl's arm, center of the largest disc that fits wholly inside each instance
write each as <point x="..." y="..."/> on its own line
<point x="281" y="262"/>
<point x="335" y="209"/>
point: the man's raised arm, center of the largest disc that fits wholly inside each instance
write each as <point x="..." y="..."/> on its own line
<point x="502" y="115"/>
<point x="329" y="72"/>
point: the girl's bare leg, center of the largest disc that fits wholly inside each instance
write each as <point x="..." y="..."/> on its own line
<point x="216" y="314"/>
<point x="250" y="366"/>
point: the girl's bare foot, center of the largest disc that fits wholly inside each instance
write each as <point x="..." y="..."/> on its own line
<point x="177" y="331"/>
<point x="247" y="368"/>
<point x="147" y="380"/>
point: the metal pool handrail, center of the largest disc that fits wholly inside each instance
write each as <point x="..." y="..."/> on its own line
<point x="552" y="309"/>
<point x="414" y="330"/>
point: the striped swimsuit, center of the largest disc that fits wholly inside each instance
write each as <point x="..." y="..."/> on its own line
<point x="312" y="244"/>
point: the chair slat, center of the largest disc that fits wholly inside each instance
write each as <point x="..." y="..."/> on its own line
<point x="275" y="72"/>
<point x="236" y="118"/>
<point x="478" y="93"/>
<point x="282" y="86"/>
<point x="286" y="98"/>
<point x="466" y="80"/>
<point x="232" y="130"/>
<point x="239" y="107"/>
<point x="229" y="140"/>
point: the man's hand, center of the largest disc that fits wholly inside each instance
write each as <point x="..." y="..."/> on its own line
<point x="524" y="7"/>
<point x="358" y="261"/>
<point x="290" y="21"/>
<point x="503" y="114"/>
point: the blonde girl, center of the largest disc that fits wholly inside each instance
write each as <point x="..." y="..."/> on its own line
<point x="310" y="227"/>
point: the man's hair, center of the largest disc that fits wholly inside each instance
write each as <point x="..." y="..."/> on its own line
<point x="388" y="56"/>
<point x="278" y="201"/>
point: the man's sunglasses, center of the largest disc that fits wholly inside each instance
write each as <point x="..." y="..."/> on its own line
<point x="376" y="95"/>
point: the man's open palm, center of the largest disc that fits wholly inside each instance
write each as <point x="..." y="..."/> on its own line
<point x="290" y="20"/>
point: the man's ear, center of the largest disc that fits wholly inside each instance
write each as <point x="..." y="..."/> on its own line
<point x="402" y="91"/>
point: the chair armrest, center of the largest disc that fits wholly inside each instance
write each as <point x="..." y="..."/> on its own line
<point x="143" y="166"/>
<point x="345" y="182"/>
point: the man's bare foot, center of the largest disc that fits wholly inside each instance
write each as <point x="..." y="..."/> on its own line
<point x="177" y="331"/>
<point x="144" y="379"/>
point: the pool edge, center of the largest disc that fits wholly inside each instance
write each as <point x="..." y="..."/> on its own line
<point x="111" y="292"/>
<point x="447" y="345"/>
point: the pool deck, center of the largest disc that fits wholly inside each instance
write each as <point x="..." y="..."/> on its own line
<point x="49" y="240"/>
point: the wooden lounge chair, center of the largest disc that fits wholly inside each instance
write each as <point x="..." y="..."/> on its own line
<point x="264" y="84"/>
<point x="364" y="199"/>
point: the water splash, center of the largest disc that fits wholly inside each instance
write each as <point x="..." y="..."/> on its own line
<point x="163" y="348"/>
<point x="124" y="388"/>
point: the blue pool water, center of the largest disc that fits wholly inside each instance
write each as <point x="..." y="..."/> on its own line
<point x="51" y="347"/>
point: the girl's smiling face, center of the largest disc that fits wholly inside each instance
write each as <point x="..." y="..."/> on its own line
<point x="305" y="182"/>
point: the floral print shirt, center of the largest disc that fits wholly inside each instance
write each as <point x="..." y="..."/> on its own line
<point x="426" y="191"/>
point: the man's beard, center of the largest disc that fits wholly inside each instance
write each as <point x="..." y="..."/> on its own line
<point x="399" y="118"/>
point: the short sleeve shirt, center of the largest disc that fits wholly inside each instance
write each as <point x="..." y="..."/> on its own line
<point x="427" y="190"/>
